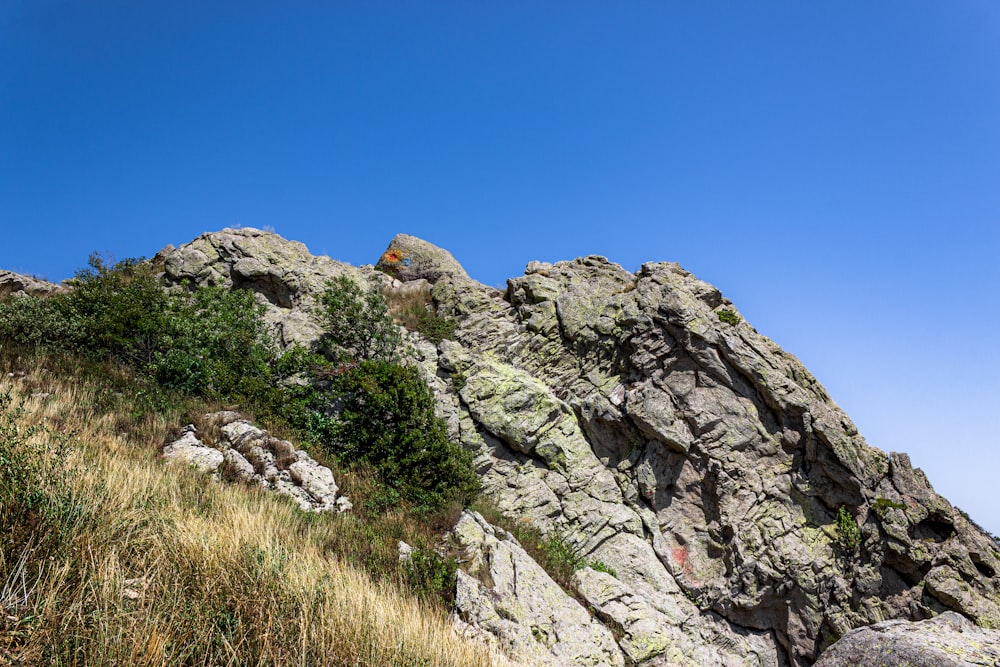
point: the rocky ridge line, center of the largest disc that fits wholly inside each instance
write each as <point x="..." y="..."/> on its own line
<point x="642" y="418"/>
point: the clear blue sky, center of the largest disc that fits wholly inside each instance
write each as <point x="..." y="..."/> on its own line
<point x="834" y="168"/>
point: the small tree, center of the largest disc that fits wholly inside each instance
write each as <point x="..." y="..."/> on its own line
<point x="216" y="343"/>
<point x="120" y="308"/>
<point x="357" y="322"/>
<point x="387" y="420"/>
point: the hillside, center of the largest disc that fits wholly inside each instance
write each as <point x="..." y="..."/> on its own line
<point x="662" y="484"/>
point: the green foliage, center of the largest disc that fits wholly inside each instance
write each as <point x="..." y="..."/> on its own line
<point x="601" y="566"/>
<point x="357" y="323"/>
<point x="848" y="532"/>
<point x="208" y="342"/>
<point x="387" y="420"/>
<point x="882" y="504"/>
<point x="560" y="556"/>
<point x="729" y="316"/>
<point x="215" y="343"/>
<point x="114" y="310"/>
<point x="40" y="322"/>
<point x="436" y="328"/>
<point x="430" y="575"/>
<point x="121" y="308"/>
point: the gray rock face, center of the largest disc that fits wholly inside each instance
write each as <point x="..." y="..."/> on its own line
<point x="949" y="640"/>
<point x="189" y="450"/>
<point x="15" y="283"/>
<point x="247" y="454"/>
<point x="510" y="596"/>
<point x="640" y="417"/>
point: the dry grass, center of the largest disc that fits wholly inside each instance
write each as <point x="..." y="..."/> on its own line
<point x="409" y="305"/>
<point x="126" y="561"/>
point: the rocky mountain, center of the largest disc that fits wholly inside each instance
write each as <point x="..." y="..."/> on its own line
<point x="730" y="512"/>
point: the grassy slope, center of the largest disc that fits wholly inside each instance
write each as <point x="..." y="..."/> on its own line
<point x="112" y="558"/>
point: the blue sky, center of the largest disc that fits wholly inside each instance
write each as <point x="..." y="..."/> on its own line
<point x="834" y="168"/>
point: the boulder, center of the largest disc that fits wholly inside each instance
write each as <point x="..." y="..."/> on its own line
<point x="409" y="258"/>
<point x="948" y="640"/>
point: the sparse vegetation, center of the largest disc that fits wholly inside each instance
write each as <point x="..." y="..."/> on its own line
<point x="414" y="309"/>
<point x="729" y="316"/>
<point x="601" y="566"/>
<point x="552" y="551"/>
<point x="848" y="532"/>
<point x="882" y="504"/>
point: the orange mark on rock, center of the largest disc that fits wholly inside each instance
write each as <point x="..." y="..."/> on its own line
<point x="391" y="257"/>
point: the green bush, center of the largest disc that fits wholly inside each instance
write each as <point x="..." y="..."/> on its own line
<point x="41" y="322"/>
<point x="387" y="420"/>
<point x="430" y="575"/>
<point x="121" y="308"/>
<point x="209" y="342"/>
<point x="357" y="323"/>
<point x="729" y="316"/>
<point x="215" y="343"/>
<point x="848" y="532"/>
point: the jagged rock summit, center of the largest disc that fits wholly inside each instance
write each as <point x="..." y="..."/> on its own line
<point x="738" y="515"/>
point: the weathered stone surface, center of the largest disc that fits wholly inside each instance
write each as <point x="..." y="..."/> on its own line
<point x="949" y="640"/>
<point x="696" y="459"/>
<point x="532" y="617"/>
<point x="650" y="636"/>
<point x="409" y="258"/>
<point x="17" y="284"/>
<point x="247" y="454"/>
<point x="189" y="450"/>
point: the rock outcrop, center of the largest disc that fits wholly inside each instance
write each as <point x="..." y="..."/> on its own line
<point x="638" y="416"/>
<point x="16" y="284"/>
<point x="247" y="454"/>
<point x="643" y="419"/>
<point x="504" y="592"/>
<point x="286" y="277"/>
<point x="948" y="640"/>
